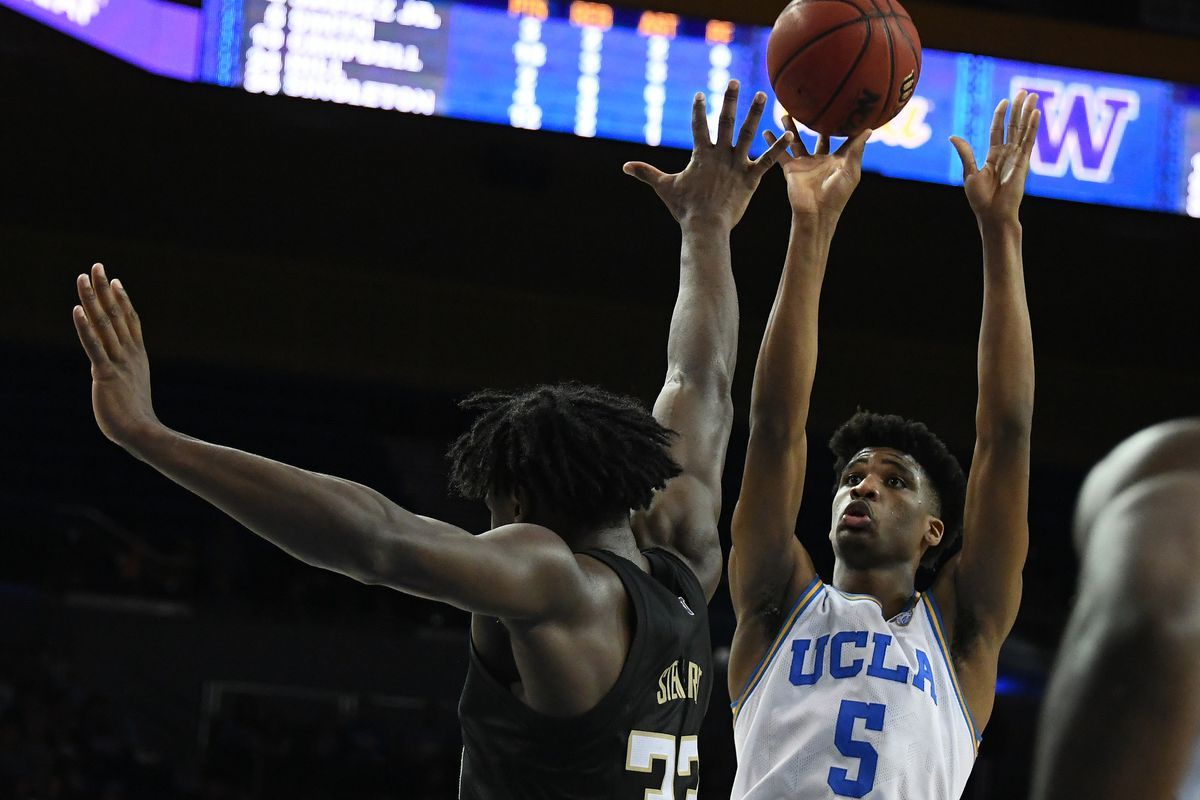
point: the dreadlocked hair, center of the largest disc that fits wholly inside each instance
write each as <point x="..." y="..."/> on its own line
<point x="587" y="453"/>
<point x="868" y="429"/>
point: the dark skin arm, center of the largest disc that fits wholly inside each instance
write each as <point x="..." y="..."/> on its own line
<point x="1123" y="704"/>
<point x="768" y="566"/>
<point x="983" y="583"/>
<point x="521" y="572"/>
<point x="707" y="199"/>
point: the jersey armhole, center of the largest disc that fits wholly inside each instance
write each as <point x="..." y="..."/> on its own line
<point x="806" y="598"/>
<point x="934" y="614"/>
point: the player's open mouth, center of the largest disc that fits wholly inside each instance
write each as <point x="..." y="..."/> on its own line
<point x="857" y="515"/>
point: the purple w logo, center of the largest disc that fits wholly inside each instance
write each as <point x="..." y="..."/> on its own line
<point x="1082" y="127"/>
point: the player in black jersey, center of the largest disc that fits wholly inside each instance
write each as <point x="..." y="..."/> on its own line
<point x="590" y="660"/>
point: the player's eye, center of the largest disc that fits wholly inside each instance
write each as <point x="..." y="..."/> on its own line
<point x="897" y="483"/>
<point x="853" y="479"/>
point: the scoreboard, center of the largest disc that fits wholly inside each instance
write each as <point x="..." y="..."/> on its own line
<point x="595" y="70"/>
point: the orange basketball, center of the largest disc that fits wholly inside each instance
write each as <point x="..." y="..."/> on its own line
<point x="839" y="66"/>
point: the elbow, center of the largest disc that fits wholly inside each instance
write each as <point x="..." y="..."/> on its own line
<point x="1011" y="430"/>
<point x="777" y="430"/>
<point x="709" y="378"/>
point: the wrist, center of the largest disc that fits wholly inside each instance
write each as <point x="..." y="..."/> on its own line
<point x="820" y="223"/>
<point x="999" y="227"/>
<point x="705" y="222"/>
<point x="146" y="439"/>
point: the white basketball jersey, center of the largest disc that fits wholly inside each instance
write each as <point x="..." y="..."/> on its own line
<point x="848" y="704"/>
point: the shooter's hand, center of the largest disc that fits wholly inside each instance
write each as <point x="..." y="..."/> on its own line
<point x="111" y="334"/>
<point x="717" y="184"/>
<point x="820" y="183"/>
<point x="995" y="190"/>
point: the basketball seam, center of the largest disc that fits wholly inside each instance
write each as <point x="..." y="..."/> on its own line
<point x="856" y="6"/>
<point x="850" y="72"/>
<point x="887" y="31"/>
<point x="840" y="26"/>
<point x="911" y="44"/>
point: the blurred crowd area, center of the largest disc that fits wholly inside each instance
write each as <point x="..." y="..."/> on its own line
<point x="61" y="739"/>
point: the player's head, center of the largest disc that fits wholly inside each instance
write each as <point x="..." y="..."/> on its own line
<point x="898" y="496"/>
<point x="566" y="454"/>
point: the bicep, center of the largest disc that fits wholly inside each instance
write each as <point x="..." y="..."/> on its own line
<point x="995" y="536"/>
<point x="514" y="572"/>
<point x="768" y="561"/>
<point x="683" y="515"/>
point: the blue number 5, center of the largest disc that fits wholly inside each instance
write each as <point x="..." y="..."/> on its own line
<point x="847" y="745"/>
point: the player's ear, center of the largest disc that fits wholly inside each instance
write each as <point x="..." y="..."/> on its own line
<point x="934" y="531"/>
<point x="523" y="504"/>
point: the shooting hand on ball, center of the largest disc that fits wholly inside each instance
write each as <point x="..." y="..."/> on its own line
<point x="820" y="183"/>
<point x="718" y="182"/>
<point x="995" y="190"/>
<point x="111" y="334"/>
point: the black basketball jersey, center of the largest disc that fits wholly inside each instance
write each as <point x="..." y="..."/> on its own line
<point x="643" y="735"/>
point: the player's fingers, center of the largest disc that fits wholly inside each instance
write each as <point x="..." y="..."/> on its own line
<point x="966" y="153"/>
<point x="1017" y="118"/>
<point x="853" y="147"/>
<point x="88" y="337"/>
<point x="132" y="321"/>
<point x="700" y="133"/>
<point x="798" y="146"/>
<point x="1035" y="121"/>
<point x="108" y="302"/>
<point x="750" y="126"/>
<point x="997" y="132"/>
<point x="776" y="152"/>
<point x="96" y="314"/>
<point x="728" y="115"/>
<point x="822" y="146"/>
<point x="644" y="173"/>
<point x="1026" y="118"/>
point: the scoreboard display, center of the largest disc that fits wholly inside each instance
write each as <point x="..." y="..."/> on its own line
<point x="595" y="70"/>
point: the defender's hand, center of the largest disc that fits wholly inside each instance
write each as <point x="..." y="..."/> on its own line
<point x="717" y="184"/>
<point x="111" y="334"/>
<point x="995" y="190"/>
<point x="820" y="184"/>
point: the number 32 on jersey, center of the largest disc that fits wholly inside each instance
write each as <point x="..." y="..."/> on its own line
<point x="646" y="748"/>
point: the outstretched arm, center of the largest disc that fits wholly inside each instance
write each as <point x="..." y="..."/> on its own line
<point x="519" y="571"/>
<point x="984" y="581"/>
<point x="1123" y="705"/>
<point x="707" y="199"/>
<point x="768" y="566"/>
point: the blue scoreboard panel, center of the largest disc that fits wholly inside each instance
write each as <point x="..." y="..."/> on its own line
<point x="592" y="69"/>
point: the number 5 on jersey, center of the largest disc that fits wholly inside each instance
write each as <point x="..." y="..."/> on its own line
<point x="868" y="757"/>
<point x="646" y="748"/>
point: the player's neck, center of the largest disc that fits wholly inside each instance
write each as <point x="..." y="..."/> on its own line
<point x="617" y="539"/>
<point x="891" y="586"/>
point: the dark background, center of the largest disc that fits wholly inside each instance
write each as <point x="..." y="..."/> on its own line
<point x="319" y="283"/>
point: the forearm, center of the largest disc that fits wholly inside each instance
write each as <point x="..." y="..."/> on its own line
<point x="322" y="520"/>
<point x="702" y="345"/>
<point x="787" y="359"/>
<point x="1006" y="366"/>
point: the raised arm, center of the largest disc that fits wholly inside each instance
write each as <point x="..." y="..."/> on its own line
<point x="984" y="580"/>
<point x="768" y="566"/>
<point x="519" y="571"/>
<point x="707" y="199"/>
<point x="1123" y="704"/>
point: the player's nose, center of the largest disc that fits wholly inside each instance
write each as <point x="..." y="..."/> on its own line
<point x="867" y="488"/>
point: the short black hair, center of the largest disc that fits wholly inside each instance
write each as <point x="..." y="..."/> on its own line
<point x="868" y="429"/>
<point x="587" y="453"/>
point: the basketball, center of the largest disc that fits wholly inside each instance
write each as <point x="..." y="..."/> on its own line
<point x="839" y="66"/>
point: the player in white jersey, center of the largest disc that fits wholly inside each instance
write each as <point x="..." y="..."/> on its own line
<point x="1122" y="712"/>
<point x="864" y="687"/>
